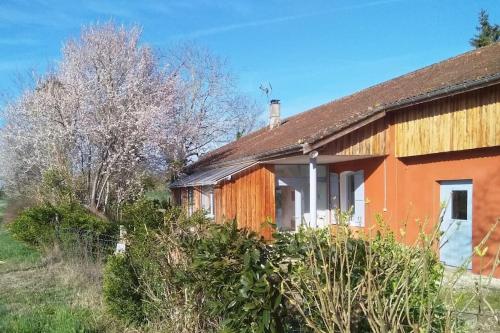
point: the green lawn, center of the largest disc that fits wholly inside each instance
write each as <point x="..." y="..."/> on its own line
<point x="41" y="294"/>
<point x="14" y="255"/>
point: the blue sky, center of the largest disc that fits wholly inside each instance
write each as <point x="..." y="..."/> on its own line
<point x="310" y="51"/>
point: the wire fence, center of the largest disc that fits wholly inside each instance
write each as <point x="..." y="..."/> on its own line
<point x="85" y="245"/>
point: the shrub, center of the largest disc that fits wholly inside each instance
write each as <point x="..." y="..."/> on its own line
<point x="56" y="186"/>
<point x="120" y="289"/>
<point x="35" y="226"/>
<point x="39" y="225"/>
<point x="192" y="275"/>
<point x="237" y="282"/>
<point x="195" y="275"/>
<point x="341" y="282"/>
<point x="321" y="273"/>
<point x="142" y="215"/>
<point x="159" y="250"/>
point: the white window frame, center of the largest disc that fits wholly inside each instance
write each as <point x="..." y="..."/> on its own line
<point x="301" y="184"/>
<point x="190" y="200"/>
<point x="358" y="216"/>
<point x="207" y="193"/>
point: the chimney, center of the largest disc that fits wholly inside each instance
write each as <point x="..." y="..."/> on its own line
<point x="274" y="113"/>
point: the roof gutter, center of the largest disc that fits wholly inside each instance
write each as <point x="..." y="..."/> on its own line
<point x="381" y="111"/>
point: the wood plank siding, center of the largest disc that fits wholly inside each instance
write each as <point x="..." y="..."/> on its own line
<point x="249" y="198"/>
<point x="466" y="121"/>
<point x="367" y="140"/>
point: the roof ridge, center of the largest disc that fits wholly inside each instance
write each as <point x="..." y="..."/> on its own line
<point x="398" y="77"/>
<point x="471" y="66"/>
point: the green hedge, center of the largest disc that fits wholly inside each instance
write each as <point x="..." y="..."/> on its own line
<point x="38" y="225"/>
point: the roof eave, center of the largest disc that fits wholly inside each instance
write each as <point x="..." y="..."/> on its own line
<point x="381" y="111"/>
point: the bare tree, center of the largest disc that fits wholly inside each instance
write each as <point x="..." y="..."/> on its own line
<point x="209" y="109"/>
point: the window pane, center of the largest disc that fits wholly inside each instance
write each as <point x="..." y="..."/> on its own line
<point x="190" y="196"/>
<point x="459" y="205"/>
<point x="350" y="192"/>
<point x="207" y="199"/>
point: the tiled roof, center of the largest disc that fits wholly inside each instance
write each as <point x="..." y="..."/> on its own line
<point x="310" y="126"/>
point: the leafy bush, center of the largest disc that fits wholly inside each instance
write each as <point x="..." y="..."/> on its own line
<point x="143" y="215"/>
<point x="239" y="284"/>
<point x="38" y="226"/>
<point x="56" y="187"/>
<point x="192" y="275"/>
<point x="120" y="289"/>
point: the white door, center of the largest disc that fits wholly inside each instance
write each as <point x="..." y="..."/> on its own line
<point x="456" y="240"/>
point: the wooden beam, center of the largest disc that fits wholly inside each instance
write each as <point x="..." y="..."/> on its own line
<point x="310" y="147"/>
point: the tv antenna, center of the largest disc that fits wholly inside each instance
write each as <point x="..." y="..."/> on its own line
<point x="266" y="89"/>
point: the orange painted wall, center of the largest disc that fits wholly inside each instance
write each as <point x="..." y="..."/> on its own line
<point x="418" y="194"/>
<point x="412" y="192"/>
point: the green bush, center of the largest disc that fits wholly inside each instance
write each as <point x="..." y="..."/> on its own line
<point x="238" y="283"/>
<point x="341" y="282"/>
<point x="219" y="274"/>
<point x="193" y="275"/>
<point x="145" y="214"/>
<point x="38" y="226"/>
<point x="120" y="289"/>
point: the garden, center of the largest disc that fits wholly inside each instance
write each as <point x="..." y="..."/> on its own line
<point x="188" y="274"/>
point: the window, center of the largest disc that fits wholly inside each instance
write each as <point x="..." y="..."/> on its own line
<point x="207" y="200"/>
<point x="292" y="196"/>
<point x="352" y="195"/>
<point x="190" y="200"/>
<point x="459" y="205"/>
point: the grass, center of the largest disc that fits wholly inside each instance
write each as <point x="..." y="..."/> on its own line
<point x="44" y="293"/>
<point x="15" y="255"/>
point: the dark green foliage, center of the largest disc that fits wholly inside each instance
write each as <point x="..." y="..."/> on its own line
<point x="224" y="271"/>
<point x="120" y="289"/>
<point x="38" y="226"/>
<point x="487" y="33"/>
<point x="143" y="215"/>
<point x="231" y="268"/>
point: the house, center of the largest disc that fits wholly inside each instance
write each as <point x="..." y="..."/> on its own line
<point x="397" y="149"/>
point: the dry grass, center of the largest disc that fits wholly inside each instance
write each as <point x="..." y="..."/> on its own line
<point x="41" y="291"/>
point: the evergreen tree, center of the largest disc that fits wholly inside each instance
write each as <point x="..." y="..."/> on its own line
<point x="487" y="33"/>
